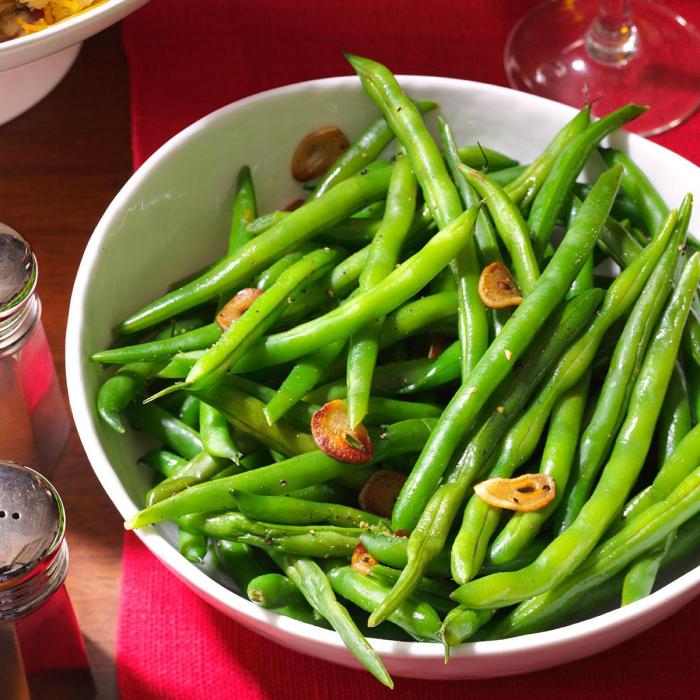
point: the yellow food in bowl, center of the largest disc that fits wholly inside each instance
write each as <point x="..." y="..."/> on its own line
<point x="22" y="17"/>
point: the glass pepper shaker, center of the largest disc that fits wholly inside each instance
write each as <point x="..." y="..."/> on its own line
<point x="34" y="423"/>
<point x="42" y="654"/>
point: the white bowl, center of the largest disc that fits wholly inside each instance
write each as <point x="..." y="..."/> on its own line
<point x="31" y="66"/>
<point x="171" y="218"/>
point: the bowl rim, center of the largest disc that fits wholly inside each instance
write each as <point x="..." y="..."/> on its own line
<point x="206" y="586"/>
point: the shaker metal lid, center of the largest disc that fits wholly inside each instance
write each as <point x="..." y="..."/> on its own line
<point x="32" y="521"/>
<point x="17" y="269"/>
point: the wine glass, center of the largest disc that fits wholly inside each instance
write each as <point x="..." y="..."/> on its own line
<point x="609" y="52"/>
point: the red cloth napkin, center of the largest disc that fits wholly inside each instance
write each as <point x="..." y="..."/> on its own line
<point x="187" y="60"/>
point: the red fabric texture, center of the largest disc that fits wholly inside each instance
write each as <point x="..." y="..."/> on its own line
<point x="188" y="60"/>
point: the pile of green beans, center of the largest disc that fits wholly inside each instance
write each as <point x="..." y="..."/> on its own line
<point x="369" y="296"/>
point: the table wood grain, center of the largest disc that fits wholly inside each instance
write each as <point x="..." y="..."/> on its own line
<point x="62" y="163"/>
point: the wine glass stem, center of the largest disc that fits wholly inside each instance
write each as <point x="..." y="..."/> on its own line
<point x="612" y="37"/>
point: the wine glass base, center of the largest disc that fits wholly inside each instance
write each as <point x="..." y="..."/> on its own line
<point x="546" y="55"/>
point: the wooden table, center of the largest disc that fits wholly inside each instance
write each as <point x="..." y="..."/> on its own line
<point x="62" y="163"/>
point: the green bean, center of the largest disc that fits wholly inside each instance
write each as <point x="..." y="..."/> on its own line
<point x="192" y="545"/>
<point x="636" y="186"/>
<point x="294" y="511"/>
<point x="609" y="558"/>
<point x="265" y="222"/>
<point x="507" y="175"/>
<point x="363" y="345"/>
<point x="419" y="315"/>
<point x="641" y="575"/>
<point x="121" y="388"/>
<point x="460" y="624"/>
<point x="597" y="438"/>
<point x="693" y="377"/>
<point x="484" y="235"/>
<point x="364" y="150"/>
<point x="523" y="189"/>
<point x="317" y="590"/>
<point x="406" y="320"/>
<point x="392" y="551"/>
<point x="273" y="591"/>
<point x="189" y="412"/>
<point x="384" y="410"/>
<point x="691" y="338"/>
<point x="525" y="557"/>
<point x="480" y="519"/>
<point x="316" y="541"/>
<point x="216" y="436"/>
<point x="574" y="544"/>
<point x="511" y="227"/>
<point x="359" y="229"/>
<point x="437" y="590"/>
<point x="202" y="467"/>
<point x="163" y="426"/>
<point x="618" y="243"/>
<point x="269" y="276"/>
<point x="686" y="543"/>
<point x="180" y="364"/>
<point x="410" y="319"/>
<point x="440" y="195"/>
<point x="413" y="616"/>
<point x="296" y="473"/>
<point x="310" y="300"/>
<point x="243" y="566"/>
<point x="431" y="532"/>
<point x="518" y="332"/>
<point x="298" y="416"/>
<point x="244" y="210"/>
<point x="636" y="233"/>
<point x="161" y="350"/>
<point x="261" y="314"/>
<point x="557" y="460"/>
<point x="173" y="404"/>
<point x="675" y="420"/>
<point x="163" y="461"/>
<point x="355" y="479"/>
<point x="353" y="233"/>
<point x="328" y="492"/>
<point x="413" y="376"/>
<point x="478" y="156"/>
<point x="682" y="461"/>
<point x="556" y="188"/>
<point x="245" y="413"/>
<point x="239" y="562"/>
<point x="585" y="278"/>
<point x="622" y="209"/>
<point x="302" y="378"/>
<point x="303" y="223"/>
<point x="371" y="211"/>
<point x="346" y="274"/>
<point x="402" y="284"/>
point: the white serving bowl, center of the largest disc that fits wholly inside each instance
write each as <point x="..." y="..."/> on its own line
<point x="172" y="217"/>
<point x="31" y="66"/>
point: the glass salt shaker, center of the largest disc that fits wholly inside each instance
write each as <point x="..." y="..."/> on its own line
<point x="34" y="423"/>
<point x="42" y="654"/>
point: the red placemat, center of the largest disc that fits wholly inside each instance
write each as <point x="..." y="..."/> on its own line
<point x="187" y="60"/>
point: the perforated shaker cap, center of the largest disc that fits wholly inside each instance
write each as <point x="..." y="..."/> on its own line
<point x="18" y="270"/>
<point x="33" y="555"/>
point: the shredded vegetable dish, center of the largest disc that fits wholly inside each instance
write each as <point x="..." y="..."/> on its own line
<point x="22" y="17"/>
